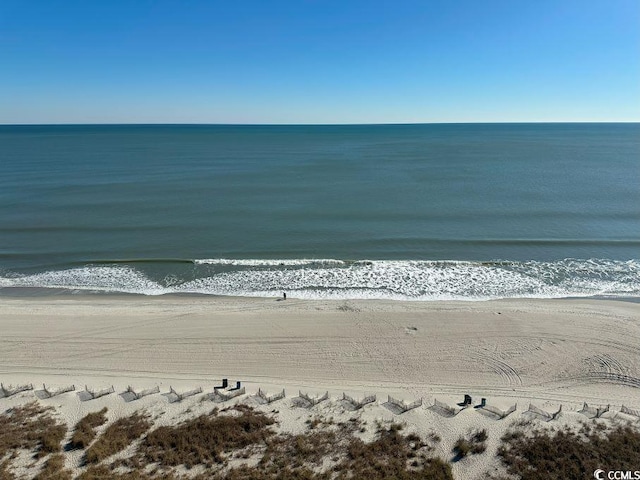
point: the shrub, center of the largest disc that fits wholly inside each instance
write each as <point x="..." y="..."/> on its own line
<point x="567" y="454"/>
<point x="54" y="469"/>
<point x="85" y="430"/>
<point x="5" y="473"/>
<point x="30" y="427"/>
<point x="271" y="473"/>
<point x="391" y="456"/>
<point x="102" y="472"/>
<point x="462" y="448"/>
<point x="204" y="439"/>
<point x="473" y="445"/>
<point x="388" y="456"/>
<point x="480" y="436"/>
<point x="117" y="436"/>
<point x="301" y="449"/>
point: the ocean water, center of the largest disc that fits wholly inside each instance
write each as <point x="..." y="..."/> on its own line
<point x="417" y="212"/>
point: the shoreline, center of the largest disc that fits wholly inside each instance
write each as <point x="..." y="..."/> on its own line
<point x="402" y="280"/>
<point x="51" y="292"/>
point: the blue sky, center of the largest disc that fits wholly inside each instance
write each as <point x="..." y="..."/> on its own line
<point x="317" y="61"/>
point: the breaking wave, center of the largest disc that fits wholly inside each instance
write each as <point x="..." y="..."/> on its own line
<point x="267" y="263"/>
<point x="343" y="279"/>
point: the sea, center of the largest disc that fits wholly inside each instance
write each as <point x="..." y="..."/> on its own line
<point x="404" y="212"/>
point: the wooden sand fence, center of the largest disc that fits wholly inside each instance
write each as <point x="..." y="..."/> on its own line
<point x="546" y="416"/>
<point x="174" y="396"/>
<point x="630" y="411"/>
<point x="593" y="412"/>
<point x="11" y="390"/>
<point x="48" y="393"/>
<point x="358" y="404"/>
<point x="313" y="400"/>
<point x="498" y="411"/>
<point x="446" y="408"/>
<point x="129" y="395"/>
<point x="270" y="398"/>
<point x="402" y="406"/>
<point x="88" y="394"/>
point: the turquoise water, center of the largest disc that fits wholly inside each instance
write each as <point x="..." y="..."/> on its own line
<point x="386" y="211"/>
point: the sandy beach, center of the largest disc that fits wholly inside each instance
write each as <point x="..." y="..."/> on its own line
<point x="546" y="349"/>
<point x="545" y="352"/>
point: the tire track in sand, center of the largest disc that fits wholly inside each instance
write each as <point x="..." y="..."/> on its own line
<point x="505" y="370"/>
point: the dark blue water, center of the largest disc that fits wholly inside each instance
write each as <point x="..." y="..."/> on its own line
<point x="392" y="211"/>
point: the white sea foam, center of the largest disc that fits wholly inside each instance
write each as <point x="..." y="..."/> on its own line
<point x="383" y="279"/>
<point x="122" y="279"/>
<point x="267" y="262"/>
<point x="377" y="279"/>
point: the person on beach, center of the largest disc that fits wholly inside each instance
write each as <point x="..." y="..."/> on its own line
<point x="284" y="295"/>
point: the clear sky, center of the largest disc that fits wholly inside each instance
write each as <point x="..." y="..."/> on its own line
<point x="319" y="61"/>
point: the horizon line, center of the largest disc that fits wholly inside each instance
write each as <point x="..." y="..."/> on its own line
<point x="307" y="124"/>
